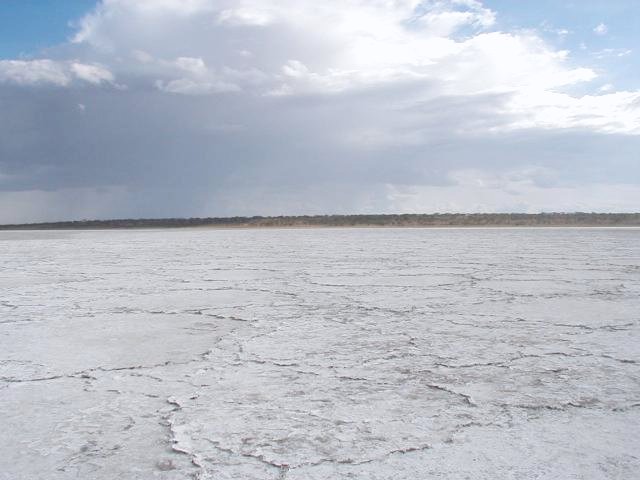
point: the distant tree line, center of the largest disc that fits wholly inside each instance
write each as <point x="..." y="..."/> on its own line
<point x="403" y="220"/>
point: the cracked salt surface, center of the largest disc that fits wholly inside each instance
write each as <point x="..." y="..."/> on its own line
<point x="320" y="354"/>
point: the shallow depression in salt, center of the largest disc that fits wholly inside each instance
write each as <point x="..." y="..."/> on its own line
<point x="320" y="354"/>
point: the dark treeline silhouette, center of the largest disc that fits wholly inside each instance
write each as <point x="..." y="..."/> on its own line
<point x="402" y="220"/>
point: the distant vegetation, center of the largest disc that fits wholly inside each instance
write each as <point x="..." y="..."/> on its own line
<point x="407" y="220"/>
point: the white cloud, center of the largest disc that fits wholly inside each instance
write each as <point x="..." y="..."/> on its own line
<point x="199" y="79"/>
<point x="601" y="29"/>
<point x="94" y="74"/>
<point x="195" y="66"/>
<point x="288" y="48"/>
<point x="33" y="72"/>
<point x="617" y="112"/>
<point x="342" y="45"/>
<point x="90" y="27"/>
<point x="58" y="73"/>
<point x="245" y="16"/>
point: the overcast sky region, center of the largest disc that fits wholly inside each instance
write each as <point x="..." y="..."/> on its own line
<point x="162" y="108"/>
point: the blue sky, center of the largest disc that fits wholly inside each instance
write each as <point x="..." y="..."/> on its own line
<point x="580" y="18"/>
<point x="266" y="107"/>
<point x="27" y="26"/>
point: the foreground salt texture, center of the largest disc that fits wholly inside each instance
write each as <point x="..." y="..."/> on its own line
<point x="320" y="354"/>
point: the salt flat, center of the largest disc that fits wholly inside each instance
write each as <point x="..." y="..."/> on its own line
<point x="320" y="354"/>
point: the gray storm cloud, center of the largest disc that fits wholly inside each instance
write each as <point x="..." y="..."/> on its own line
<point x="204" y="107"/>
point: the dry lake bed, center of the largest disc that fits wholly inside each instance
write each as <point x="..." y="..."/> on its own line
<point x="320" y="354"/>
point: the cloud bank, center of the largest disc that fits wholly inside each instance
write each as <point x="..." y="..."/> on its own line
<point x="214" y="107"/>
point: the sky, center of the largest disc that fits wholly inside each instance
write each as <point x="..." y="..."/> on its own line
<point x="164" y="108"/>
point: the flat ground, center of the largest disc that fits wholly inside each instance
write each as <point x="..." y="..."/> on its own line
<point x="320" y="354"/>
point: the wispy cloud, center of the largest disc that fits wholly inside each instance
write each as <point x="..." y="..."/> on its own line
<point x="601" y="29"/>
